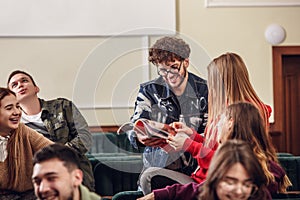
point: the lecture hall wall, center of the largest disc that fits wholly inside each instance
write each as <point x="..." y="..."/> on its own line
<point x="56" y="61"/>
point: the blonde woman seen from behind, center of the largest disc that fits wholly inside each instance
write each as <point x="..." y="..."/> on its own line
<point x="228" y="83"/>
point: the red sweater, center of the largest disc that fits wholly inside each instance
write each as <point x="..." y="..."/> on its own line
<point x="202" y="154"/>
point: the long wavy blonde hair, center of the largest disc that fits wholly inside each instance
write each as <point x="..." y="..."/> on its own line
<point x="228" y="83"/>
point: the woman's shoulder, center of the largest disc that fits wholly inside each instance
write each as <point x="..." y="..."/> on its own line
<point x="268" y="110"/>
<point x="276" y="169"/>
<point x="26" y="131"/>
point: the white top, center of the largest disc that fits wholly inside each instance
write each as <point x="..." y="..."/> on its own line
<point x="3" y="148"/>
<point x="32" y="118"/>
<point x="35" y="122"/>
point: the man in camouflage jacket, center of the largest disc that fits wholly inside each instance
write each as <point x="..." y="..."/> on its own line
<point x="58" y="119"/>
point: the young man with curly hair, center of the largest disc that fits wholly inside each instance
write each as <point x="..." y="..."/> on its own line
<point x="175" y="92"/>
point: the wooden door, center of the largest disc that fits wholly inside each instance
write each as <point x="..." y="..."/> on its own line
<point x="291" y="81"/>
<point x="286" y="84"/>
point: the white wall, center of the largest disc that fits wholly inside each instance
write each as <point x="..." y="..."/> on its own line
<point x="241" y="30"/>
<point x="56" y="62"/>
<point x="85" y="18"/>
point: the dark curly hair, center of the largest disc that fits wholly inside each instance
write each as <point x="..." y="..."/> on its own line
<point x="167" y="49"/>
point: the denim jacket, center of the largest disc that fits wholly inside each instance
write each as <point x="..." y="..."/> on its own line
<point x="157" y="102"/>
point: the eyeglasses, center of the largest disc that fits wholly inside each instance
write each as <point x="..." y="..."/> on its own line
<point x="232" y="185"/>
<point x="173" y="71"/>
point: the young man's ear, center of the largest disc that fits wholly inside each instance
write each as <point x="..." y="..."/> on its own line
<point x="186" y="63"/>
<point x="77" y="177"/>
<point x="37" y="89"/>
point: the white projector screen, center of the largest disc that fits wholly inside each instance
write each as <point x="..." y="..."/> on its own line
<point x="34" y="18"/>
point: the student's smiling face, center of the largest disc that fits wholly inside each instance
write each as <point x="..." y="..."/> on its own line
<point x="52" y="180"/>
<point x="10" y="114"/>
<point x="173" y="72"/>
<point x="236" y="184"/>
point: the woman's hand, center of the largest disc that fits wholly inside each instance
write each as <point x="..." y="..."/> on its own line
<point x="182" y="128"/>
<point x="177" y="141"/>
<point x="147" y="197"/>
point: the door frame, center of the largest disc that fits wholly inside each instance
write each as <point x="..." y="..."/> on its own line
<point x="278" y="127"/>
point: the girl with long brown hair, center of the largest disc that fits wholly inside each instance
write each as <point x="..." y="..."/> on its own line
<point x="254" y="133"/>
<point x="234" y="173"/>
<point x="18" y="143"/>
